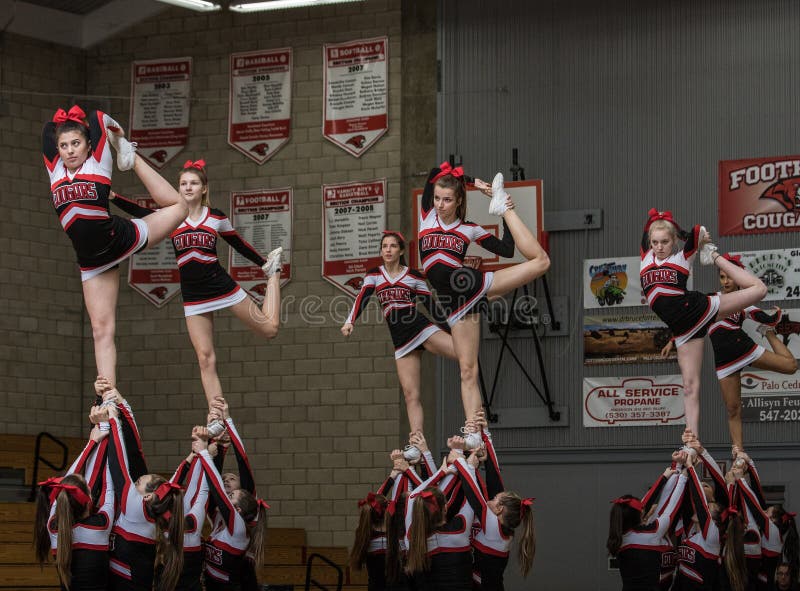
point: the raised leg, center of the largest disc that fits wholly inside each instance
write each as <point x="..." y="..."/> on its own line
<point x="508" y="279"/>
<point x="441" y="344"/>
<point x="263" y="321"/>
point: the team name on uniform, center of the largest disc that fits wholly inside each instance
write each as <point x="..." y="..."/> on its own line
<point x="394" y="294"/>
<point x="194" y="240"/>
<point x="659" y="276"/>
<point x="686" y="554"/>
<point x="442" y="242"/>
<point x="213" y="555"/>
<point x="74" y="192"/>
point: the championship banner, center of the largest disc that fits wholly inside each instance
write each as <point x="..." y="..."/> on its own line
<point x="260" y="107"/>
<point x="160" y="92"/>
<point x="634" y="338"/>
<point x="637" y="401"/>
<point x="262" y="217"/>
<point x="527" y="197"/>
<point x="759" y="195"/>
<point x="154" y="272"/>
<point x="778" y="269"/>
<point x="769" y="397"/>
<point x="353" y="221"/>
<point x="613" y="281"/>
<point x="356" y="100"/>
<point x="787" y="329"/>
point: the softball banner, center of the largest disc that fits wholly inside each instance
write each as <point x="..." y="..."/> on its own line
<point x="636" y="401"/>
<point x="153" y="272"/>
<point x="356" y="93"/>
<point x="612" y="282"/>
<point x="778" y="269"/>
<point x="159" y="121"/>
<point x="759" y="195"/>
<point x="263" y="217"/>
<point x="260" y="109"/>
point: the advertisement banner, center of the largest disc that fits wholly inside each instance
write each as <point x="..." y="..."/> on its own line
<point x="353" y="220"/>
<point x="259" y="117"/>
<point x="636" y="401"/>
<point x="356" y="111"/>
<point x="160" y="96"/>
<point x="527" y="197"/>
<point x="759" y="195"/>
<point x="631" y="338"/>
<point x="154" y="272"/>
<point x="769" y="397"/>
<point x="778" y="269"/>
<point x="612" y="281"/>
<point x="262" y="217"/>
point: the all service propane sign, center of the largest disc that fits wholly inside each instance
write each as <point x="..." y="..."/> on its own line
<point x="636" y="401"/>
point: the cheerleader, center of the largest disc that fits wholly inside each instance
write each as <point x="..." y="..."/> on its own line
<point x="734" y="350"/>
<point x="79" y="163"/>
<point x="148" y="533"/>
<point x="369" y="546"/>
<point x="664" y="273"/>
<point x="640" y="543"/>
<point x="444" y="235"/>
<point x="205" y="285"/>
<point x="397" y="287"/>
<point x="71" y="526"/>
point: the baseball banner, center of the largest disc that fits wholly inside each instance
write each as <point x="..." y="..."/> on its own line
<point x="353" y="220"/>
<point x="759" y="195"/>
<point x="153" y="272"/>
<point x="613" y="281"/>
<point x="635" y="401"/>
<point x="787" y="329"/>
<point x="356" y="111"/>
<point x="263" y="217"/>
<point x="260" y="107"/>
<point x="632" y="338"/>
<point x="769" y="397"/>
<point x="778" y="269"/>
<point x="160" y="93"/>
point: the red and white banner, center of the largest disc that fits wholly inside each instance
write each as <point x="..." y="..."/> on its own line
<point x="636" y="401"/>
<point x="160" y="93"/>
<point x="356" y="93"/>
<point x="353" y="221"/>
<point x="263" y="217"/>
<point x="259" y="118"/>
<point x="759" y="195"/>
<point x="153" y="272"/>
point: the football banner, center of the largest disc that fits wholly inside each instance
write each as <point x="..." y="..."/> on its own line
<point x="612" y="281"/>
<point x="160" y="93"/>
<point x="778" y="269"/>
<point x="260" y="106"/>
<point x="353" y="221"/>
<point x="263" y="217"/>
<point x="356" y="111"/>
<point x="630" y="338"/>
<point x="769" y="397"/>
<point x="154" y="272"/>
<point x="633" y="401"/>
<point x="759" y="195"/>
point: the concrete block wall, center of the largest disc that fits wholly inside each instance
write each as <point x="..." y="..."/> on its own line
<point x="318" y="413"/>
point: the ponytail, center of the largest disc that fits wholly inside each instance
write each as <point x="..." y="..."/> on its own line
<point x="426" y="514"/>
<point x="370" y="516"/>
<point x="519" y="512"/>
<point x="254" y="513"/>
<point x="41" y="535"/>
<point x="395" y="528"/>
<point x="65" y="520"/>
<point x="166" y="507"/>
<point x="733" y="553"/>
<point x="791" y="542"/>
<point x="622" y="518"/>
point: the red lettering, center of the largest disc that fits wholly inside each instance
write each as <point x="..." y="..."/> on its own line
<point x="74" y="192"/>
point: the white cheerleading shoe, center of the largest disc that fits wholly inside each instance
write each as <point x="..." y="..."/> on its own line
<point x="708" y="250"/>
<point x="411" y="453"/>
<point x="497" y="205"/>
<point x="472" y="439"/>
<point x="273" y="264"/>
<point x="215" y="428"/>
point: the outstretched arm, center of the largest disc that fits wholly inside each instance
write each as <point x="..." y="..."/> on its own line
<point x="239" y="244"/>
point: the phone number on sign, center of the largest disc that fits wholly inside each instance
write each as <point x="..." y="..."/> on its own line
<point x="622" y="415"/>
<point x="766" y="416"/>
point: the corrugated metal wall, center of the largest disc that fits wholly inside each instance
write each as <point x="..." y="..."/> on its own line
<point x="622" y="105"/>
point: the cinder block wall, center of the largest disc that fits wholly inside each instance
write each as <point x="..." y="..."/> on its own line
<point x="317" y="412"/>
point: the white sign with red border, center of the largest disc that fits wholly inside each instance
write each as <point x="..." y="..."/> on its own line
<point x="259" y="118"/>
<point x="353" y="221"/>
<point x="153" y="272"/>
<point x="160" y="93"/>
<point x="633" y="401"/>
<point x="356" y="111"/>
<point x="262" y="217"/>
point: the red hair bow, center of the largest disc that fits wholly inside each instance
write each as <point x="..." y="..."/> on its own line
<point x="76" y="493"/>
<point x="655" y="215"/>
<point x="372" y="500"/>
<point x="525" y="506"/>
<point x="446" y="169"/>
<point x="165" y="488"/>
<point x="74" y="114"/>
<point x="729" y="512"/>
<point x="431" y="502"/>
<point x="736" y="259"/>
<point x="394" y="233"/>
<point x="788" y="516"/>
<point x="198" y="164"/>
<point x="262" y="503"/>
<point x="631" y="502"/>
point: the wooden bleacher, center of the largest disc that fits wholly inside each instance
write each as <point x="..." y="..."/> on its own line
<point x="285" y="557"/>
